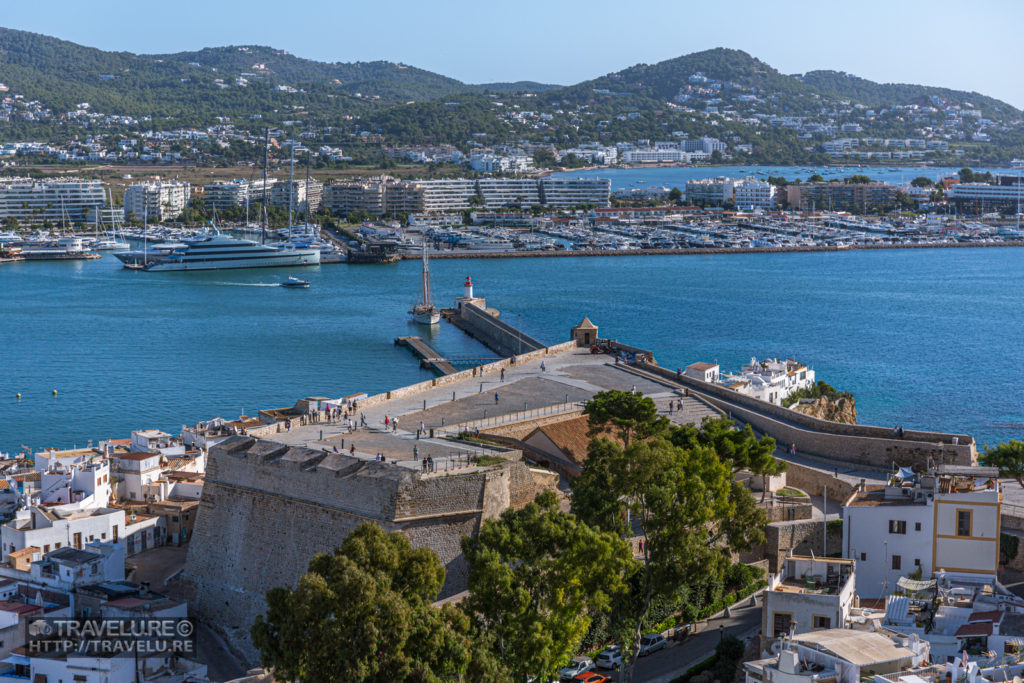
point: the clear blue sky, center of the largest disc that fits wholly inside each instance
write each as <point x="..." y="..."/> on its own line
<point x="964" y="45"/>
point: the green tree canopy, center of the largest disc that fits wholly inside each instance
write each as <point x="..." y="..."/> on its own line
<point x="370" y="597"/>
<point x="921" y="181"/>
<point x="816" y="178"/>
<point x="628" y="414"/>
<point x="675" y="195"/>
<point x="683" y="504"/>
<point x="1008" y="457"/>
<point x="859" y="179"/>
<point x="536" y="578"/>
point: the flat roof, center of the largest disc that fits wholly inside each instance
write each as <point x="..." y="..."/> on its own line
<point x="701" y="366"/>
<point x="857" y="647"/>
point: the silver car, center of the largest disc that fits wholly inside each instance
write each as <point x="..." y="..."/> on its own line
<point x="652" y="642"/>
<point x="577" y="666"/>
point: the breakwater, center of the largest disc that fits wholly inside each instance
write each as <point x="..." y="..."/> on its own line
<point x="696" y="250"/>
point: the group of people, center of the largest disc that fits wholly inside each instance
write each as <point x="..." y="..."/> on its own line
<point x="897" y="431"/>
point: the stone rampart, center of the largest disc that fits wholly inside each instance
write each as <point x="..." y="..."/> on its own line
<point x="492" y="332"/>
<point x="804" y="537"/>
<point x="873" y="447"/>
<point x="813" y="482"/>
<point x="267" y="508"/>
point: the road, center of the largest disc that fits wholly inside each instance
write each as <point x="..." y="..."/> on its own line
<point x="677" y="659"/>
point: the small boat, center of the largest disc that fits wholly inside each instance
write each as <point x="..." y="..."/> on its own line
<point x="295" y="283"/>
<point x="425" y="312"/>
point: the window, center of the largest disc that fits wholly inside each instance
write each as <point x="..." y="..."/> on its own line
<point x="781" y="623"/>
<point x="963" y="522"/>
<point x="917" y="561"/>
<point x="897" y="562"/>
<point x="897" y="526"/>
<point x="863" y="557"/>
<point x="56" y="545"/>
<point x="103" y="536"/>
<point x="174" y="518"/>
<point x="46" y="548"/>
<point x="917" y="526"/>
<point x="822" y="622"/>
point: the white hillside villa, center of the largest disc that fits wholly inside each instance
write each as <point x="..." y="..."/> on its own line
<point x="770" y="380"/>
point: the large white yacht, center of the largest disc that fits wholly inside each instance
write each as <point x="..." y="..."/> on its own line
<point x="214" y="251"/>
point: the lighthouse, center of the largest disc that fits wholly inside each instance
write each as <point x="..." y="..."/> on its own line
<point x="468" y="297"/>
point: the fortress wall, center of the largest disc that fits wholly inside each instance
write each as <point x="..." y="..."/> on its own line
<point x="494" y="333"/>
<point x="263" y="517"/>
<point x="833" y="441"/>
<point x="813" y="482"/>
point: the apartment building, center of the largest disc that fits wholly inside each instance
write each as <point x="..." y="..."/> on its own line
<point x="500" y="193"/>
<point x="751" y="193"/>
<point x="567" y="192"/>
<point x="944" y="521"/>
<point x="233" y="193"/>
<point x="35" y="201"/>
<point x="982" y="197"/>
<point x="343" y="198"/>
<point x="808" y="594"/>
<point x="302" y="195"/>
<point x="710" y="191"/>
<point x="446" y="195"/>
<point x="157" y="201"/>
<point x="841" y="196"/>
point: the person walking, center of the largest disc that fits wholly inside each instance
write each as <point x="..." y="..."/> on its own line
<point x="543" y="366"/>
<point x="394" y="425"/>
<point x="503" y="374"/>
<point x="415" y="452"/>
<point x="495" y="398"/>
<point x="387" y="422"/>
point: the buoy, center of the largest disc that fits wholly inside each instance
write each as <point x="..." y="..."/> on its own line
<point x="19" y="395"/>
<point x="54" y="392"/>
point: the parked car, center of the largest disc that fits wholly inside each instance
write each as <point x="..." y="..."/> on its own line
<point x="577" y="666"/>
<point x="652" y="642"/>
<point x="609" y="658"/>
<point x="592" y="677"/>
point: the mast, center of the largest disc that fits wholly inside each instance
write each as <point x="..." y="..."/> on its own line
<point x="307" y="190"/>
<point x="291" y="183"/>
<point x="266" y="160"/>
<point x="426" y="277"/>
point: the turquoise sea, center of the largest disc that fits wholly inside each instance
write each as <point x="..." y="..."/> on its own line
<point x="923" y="338"/>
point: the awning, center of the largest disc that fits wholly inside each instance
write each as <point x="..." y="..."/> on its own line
<point x="17" y="659"/>
<point x="915" y="586"/>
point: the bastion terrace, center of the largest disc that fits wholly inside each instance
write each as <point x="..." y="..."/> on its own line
<point x="526" y="394"/>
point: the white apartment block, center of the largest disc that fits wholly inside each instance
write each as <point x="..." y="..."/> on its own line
<point x="343" y="198"/>
<point x="808" y="594"/>
<point x="506" y="192"/>
<point x="48" y="529"/>
<point x="35" y="201"/>
<point x="446" y="195"/>
<point x="156" y="201"/>
<point x="946" y="521"/>
<point x="567" y="192"/>
<point x="302" y="195"/>
<point x="751" y="193"/>
<point x="233" y="193"/>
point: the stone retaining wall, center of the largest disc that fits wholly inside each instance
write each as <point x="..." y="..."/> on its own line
<point x="493" y="332"/>
<point x="832" y="441"/>
<point x="803" y="538"/>
<point x="267" y="509"/>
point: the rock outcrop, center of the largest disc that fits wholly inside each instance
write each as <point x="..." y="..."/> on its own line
<point x="841" y="409"/>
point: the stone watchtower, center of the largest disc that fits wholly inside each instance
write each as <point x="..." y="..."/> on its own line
<point x="585" y="334"/>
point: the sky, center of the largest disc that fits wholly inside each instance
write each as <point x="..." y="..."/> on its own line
<point x="951" y="43"/>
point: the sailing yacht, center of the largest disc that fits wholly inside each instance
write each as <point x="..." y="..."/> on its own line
<point x="425" y="312"/>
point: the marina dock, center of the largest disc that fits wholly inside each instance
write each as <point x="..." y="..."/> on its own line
<point x="429" y="358"/>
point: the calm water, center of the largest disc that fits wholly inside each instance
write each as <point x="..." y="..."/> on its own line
<point x="637" y="178"/>
<point x="924" y="338"/>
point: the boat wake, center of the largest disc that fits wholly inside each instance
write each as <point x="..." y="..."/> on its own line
<point x="247" y="284"/>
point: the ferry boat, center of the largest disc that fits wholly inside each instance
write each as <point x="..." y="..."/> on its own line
<point x="219" y="252"/>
